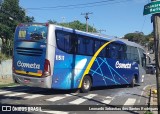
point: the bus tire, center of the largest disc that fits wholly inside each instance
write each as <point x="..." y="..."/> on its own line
<point x="133" y="82"/>
<point x="15" y="81"/>
<point x="86" y="84"/>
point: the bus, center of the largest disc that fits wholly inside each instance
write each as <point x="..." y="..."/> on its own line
<point x="52" y="56"/>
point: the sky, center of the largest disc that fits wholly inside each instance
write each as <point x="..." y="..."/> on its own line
<point x="115" y="17"/>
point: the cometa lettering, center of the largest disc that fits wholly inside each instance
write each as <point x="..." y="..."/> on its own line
<point x="28" y="65"/>
<point x="123" y="65"/>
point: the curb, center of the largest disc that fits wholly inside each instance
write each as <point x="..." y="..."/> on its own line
<point x="153" y="99"/>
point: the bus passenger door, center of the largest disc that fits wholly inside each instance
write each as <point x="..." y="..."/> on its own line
<point x="73" y="42"/>
<point x="142" y="65"/>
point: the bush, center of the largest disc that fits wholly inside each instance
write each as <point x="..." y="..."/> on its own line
<point x="3" y="57"/>
<point x="148" y="112"/>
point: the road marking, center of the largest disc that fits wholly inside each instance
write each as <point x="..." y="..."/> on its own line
<point x="109" y="99"/>
<point x="4" y="92"/>
<point x="81" y="100"/>
<point x="55" y="112"/>
<point x="55" y="99"/>
<point x="143" y="92"/>
<point x="130" y="101"/>
<point x="33" y="96"/>
<point x="71" y="94"/>
<point x="15" y="94"/>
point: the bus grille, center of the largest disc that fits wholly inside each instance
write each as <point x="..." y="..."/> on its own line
<point x="29" y="51"/>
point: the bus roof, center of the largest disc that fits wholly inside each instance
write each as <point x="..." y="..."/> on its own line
<point x="99" y="36"/>
<point x="93" y="35"/>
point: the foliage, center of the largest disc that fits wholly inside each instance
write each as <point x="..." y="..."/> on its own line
<point x="6" y="85"/>
<point x="10" y="15"/>
<point x="29" y="19"/>
<point x="139" y="37"/>
<point x="3" y="57"/>
<point x="75" y="25"/>
<point x="150" y="40"/>
<point x="52" y="21"/>
<point x="79" y="26"/>
<point x="148" y="112"/>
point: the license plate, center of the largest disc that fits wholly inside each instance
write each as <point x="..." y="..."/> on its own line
<point x="27" y="80"/>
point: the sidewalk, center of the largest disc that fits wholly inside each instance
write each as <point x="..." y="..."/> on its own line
<point x="6" y="80"/>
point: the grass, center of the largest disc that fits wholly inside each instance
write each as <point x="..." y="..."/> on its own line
<point x="5" y="85"/>
<point x="148" y="112"/>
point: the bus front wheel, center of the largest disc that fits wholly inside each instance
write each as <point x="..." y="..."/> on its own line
<point x="133" y="82"/>
<point x="86" y="84"/>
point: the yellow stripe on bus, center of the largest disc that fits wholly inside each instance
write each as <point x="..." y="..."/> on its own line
<point x="29" y="73"/>
<point x="92" y="61"/>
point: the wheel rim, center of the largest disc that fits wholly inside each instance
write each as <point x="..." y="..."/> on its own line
<point x="86" y="84"/>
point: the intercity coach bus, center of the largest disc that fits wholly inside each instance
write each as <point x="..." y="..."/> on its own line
<point x="51" y="56"/>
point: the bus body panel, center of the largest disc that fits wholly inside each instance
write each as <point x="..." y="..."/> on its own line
<point x="33" y="81"/>
<point x="107" y="72"/>
<point x="28" y="69"/>
<point x="68" y="69"/>
<point x="142" y="72"/>
<point x="29" y="57"/>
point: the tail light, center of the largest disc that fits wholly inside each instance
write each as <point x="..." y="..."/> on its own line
<point x="47" y="24"/>
<point x="47" y="68"/>
<point x="20" y="24"/>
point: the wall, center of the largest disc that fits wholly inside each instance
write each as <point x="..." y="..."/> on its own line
<point x="6" y="72"/>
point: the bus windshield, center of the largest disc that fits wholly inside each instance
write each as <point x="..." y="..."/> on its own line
<point x="31" y="32"/>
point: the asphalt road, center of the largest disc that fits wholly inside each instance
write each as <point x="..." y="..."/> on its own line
<point x="103" y="98"/>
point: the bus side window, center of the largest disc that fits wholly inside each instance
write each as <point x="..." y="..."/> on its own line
<point x="128" y="52"/>
<point x="60" y="40"/>
<point x="132" y="54"/>
<point x="85" y="45"/>
<point x="113" y="51"/>
<point x="67" y="43"/>
<point x="73" y="44"/>
<point x="136" y="57"/>
<point x="122" y="52"/>
<point x="64" y="41"/>
<point x="96" y="45"/>
<point x="103" y="51"/>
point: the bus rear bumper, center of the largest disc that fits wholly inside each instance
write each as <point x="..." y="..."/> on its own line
<point x="33" y="81"/>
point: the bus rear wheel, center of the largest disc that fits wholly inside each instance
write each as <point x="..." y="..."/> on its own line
<point x="86" y="84"/>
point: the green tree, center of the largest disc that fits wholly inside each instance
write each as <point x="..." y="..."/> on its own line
<point x="10" y="15"/>
<point x="29" y="19"/>
<point x="75" y="25"/>
<point x="52" y="21"/>
<point x="150" y="41"/>
<point x="137" y="37"/>
<point x="78" y="25"/>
